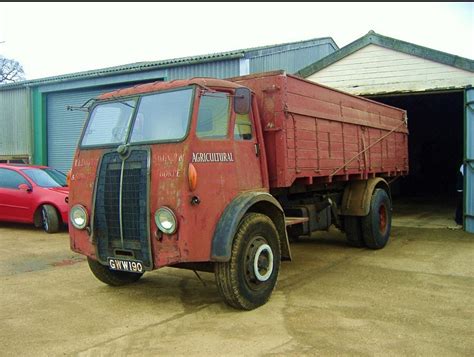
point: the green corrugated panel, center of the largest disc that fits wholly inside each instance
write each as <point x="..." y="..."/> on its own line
<point x="15" y="123"/>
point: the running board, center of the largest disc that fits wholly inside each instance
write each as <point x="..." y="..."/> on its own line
<point x="289" y="221"/>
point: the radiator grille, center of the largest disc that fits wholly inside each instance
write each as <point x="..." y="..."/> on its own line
<point x="123" y="228"/>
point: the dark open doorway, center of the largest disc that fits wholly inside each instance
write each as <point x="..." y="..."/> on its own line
<point x="427" y="196"/>
<point x="435" y="123"/>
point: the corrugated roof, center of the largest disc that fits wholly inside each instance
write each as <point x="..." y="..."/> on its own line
<point x="151" y="65"/>
<point x="391" y="43"/>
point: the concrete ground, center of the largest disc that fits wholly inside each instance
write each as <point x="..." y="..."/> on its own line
<point x="414" y="297"/>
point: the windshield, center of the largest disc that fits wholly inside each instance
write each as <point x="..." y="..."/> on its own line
<point x="160" y="116"/>
<point x="46" y="177"/>
<point x="108" y="123"/>
<point x="163" y="116"/>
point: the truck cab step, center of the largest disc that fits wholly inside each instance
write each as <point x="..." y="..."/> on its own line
<point x="289" y="221"/>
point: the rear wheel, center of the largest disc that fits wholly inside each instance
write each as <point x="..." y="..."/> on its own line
<point x="247" y="280"/>
<point x="49" y="219"/>
<point x="353" y="228"/>
<point x="377" y="224"/>
<point x="112" y="277"/>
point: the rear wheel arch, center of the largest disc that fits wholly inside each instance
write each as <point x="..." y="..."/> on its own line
<point x="248" y="202"/>
<point x="357" y="196"/>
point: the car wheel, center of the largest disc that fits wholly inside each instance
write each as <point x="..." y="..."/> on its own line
<point x="49" y="219"/>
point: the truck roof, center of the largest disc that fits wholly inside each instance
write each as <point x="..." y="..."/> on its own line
<point x="177" y="83"/>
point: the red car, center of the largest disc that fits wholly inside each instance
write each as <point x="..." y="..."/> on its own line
<point x="33" y="194"/>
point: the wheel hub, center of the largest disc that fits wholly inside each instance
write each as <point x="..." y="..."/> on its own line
<point x="258" y="262"/>
<point x="263" y="263"/>
<point x="45" y="218"/>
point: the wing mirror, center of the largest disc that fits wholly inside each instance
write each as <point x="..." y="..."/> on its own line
<point x="242" y="100"/>
<point x="24" y="187"/>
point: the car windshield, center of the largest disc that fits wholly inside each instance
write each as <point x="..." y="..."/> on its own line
<point x="46" y="177"/>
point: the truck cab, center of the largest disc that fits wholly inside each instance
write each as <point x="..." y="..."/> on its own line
<point x="163" y="175"/>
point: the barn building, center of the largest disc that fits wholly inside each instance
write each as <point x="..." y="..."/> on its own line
<point x="436" y="90"/>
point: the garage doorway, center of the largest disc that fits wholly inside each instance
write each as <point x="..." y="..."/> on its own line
<point x="427" y="196"/>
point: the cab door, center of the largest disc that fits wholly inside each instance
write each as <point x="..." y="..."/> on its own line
<point x="226" y="164"/>
<point x="247" y="152"/>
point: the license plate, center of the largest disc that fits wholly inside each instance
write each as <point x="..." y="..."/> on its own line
<point x="131" y="266"/>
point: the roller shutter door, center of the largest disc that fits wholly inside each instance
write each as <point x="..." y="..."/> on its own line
<point x="64" y="127"/>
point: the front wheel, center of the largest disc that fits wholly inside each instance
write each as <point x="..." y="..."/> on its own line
<point x="247" y="280"/>
<point x="112" y="277"/>
<point x="377" y="224"/>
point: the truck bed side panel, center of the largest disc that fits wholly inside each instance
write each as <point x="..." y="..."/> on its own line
<point x="317" y="134"/>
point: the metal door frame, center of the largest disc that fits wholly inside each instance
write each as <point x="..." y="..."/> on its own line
<point x="469" y="159"/>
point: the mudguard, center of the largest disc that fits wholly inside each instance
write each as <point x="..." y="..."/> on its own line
<point x="230" y="219"/>
<point x="357" y="196"/>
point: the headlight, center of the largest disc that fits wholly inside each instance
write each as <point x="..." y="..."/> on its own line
<point x="166" y="220"/>
<point x="78" y="217"/>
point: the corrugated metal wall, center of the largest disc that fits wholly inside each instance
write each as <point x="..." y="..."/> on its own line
<point x="15" y="123"/>
<point x="291" y="58"/>
<point x="217" y="69"/>
<point x="288" y="58"/>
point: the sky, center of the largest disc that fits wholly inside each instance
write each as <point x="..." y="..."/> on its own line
<point x="50" y="39"/>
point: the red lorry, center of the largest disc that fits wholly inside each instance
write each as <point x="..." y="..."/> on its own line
<point x="218" y="175"/>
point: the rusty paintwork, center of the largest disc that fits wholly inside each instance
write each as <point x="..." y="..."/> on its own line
<point x="159" y="86"/>
<point x="218" y="183"/>
<point x="315" y="134"/>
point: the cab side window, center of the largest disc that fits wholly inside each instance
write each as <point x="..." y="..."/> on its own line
<point x="243" y="127"/>
<point x="11" y="179"/>
<point x="213" y="116"/>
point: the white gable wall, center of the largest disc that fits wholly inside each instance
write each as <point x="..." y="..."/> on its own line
<point x="375" y="70"/>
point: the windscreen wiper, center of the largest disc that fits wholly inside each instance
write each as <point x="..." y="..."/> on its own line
<point x="124" y="103"/>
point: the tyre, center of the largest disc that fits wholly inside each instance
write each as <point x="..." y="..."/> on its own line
<point x="353" y="228"/>
<point x="49" y="219"/>
<point x="377" y="224"/>
<point x="248" y="279"/>
<point x="112" y="277"/>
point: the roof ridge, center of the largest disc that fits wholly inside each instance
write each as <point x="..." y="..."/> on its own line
<point x="150" y="64"/>
<point x="375" y="38"/>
